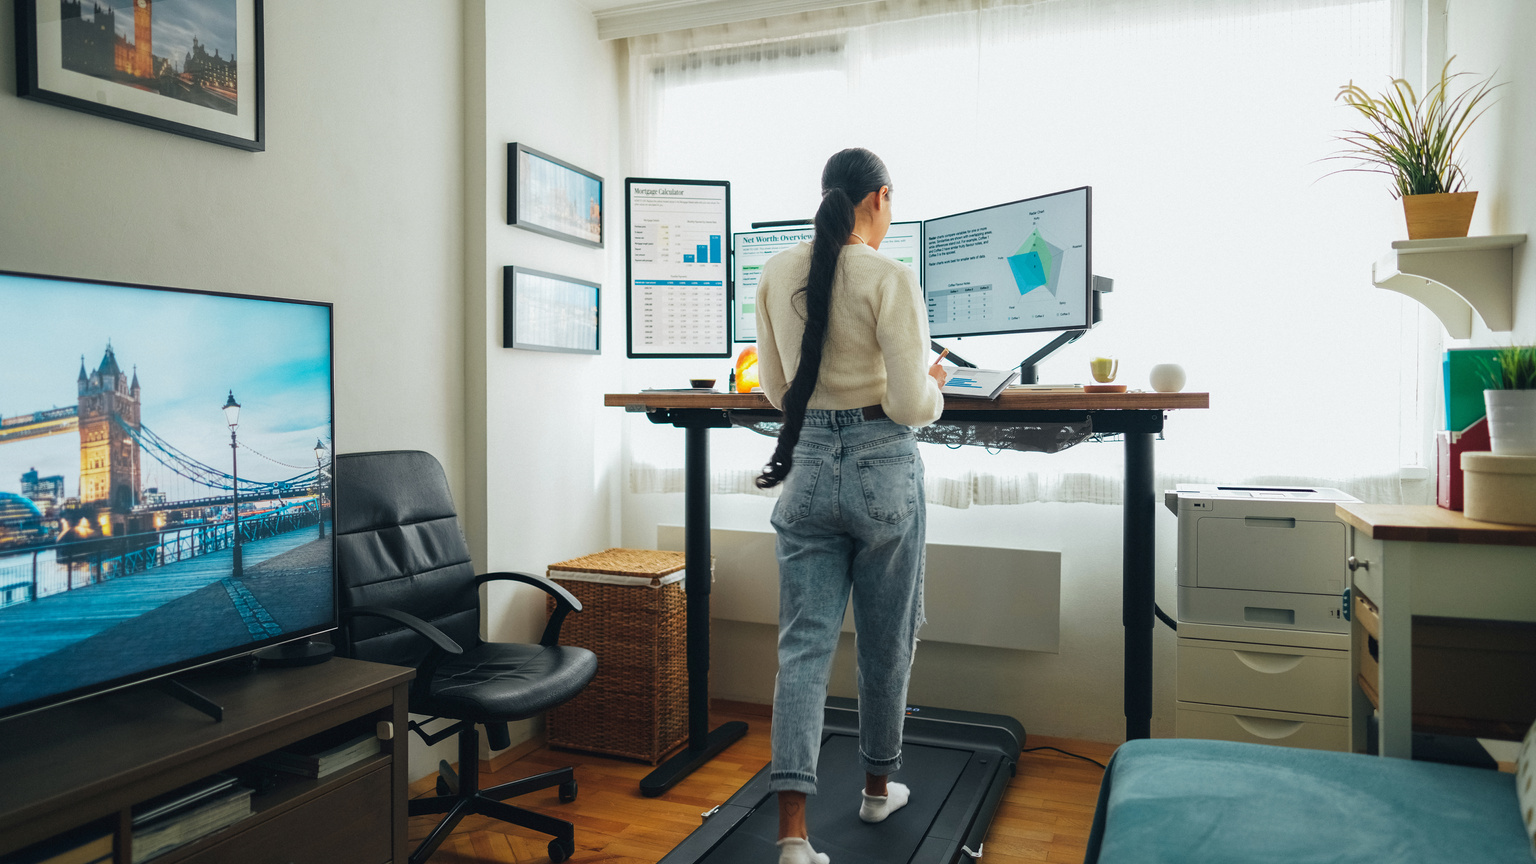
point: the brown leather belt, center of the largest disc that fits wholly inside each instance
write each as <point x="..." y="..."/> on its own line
<point x="873" y="412"/>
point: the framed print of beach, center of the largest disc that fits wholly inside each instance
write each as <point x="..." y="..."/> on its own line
<point x="553" y="197"/>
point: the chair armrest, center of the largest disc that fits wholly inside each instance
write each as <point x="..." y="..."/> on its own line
<point x="437" y="637"/>
<point x="565" y="601"/>
<point x="548" y="586"/>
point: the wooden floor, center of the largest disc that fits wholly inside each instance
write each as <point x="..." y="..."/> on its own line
<point x="1044" y="816"/>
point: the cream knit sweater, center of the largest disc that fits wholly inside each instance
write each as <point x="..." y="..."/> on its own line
<point x="877" y="340"/>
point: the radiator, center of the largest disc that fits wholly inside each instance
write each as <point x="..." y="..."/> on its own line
<point x="975" y="595"/>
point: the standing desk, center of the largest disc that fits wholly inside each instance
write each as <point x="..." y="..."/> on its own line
<point x="1136" y="416"/>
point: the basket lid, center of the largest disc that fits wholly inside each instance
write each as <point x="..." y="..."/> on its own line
<point x="1498" y="463"/>
<point x="626" y="562"/>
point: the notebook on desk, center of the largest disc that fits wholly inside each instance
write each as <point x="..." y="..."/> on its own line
<point x="982" y="383"/>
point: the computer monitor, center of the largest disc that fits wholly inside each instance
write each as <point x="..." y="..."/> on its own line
<point x="1011" y="268"/>
<point x="165" y="492"/>
<point x="752" y="249"/>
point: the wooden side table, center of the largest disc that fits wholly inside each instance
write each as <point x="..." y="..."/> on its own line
<point x="1426" y="562"/>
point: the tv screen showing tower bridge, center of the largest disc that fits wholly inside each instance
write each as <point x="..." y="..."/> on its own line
<point x="165" y="486"/>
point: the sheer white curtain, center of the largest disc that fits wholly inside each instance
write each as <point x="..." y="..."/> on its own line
<point x="1201" y="126"/>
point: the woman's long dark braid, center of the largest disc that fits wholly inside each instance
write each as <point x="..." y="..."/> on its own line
<point x="845" y="181"/>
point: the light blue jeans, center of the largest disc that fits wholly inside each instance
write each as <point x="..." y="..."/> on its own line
<point x="851" y="517"/>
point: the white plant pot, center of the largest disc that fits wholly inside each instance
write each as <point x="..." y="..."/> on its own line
<point x="1512" y="421"/>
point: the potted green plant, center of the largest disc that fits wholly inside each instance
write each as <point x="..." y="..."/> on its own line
<point x="1415" y="141"/>
<point x="1511" y="401"/>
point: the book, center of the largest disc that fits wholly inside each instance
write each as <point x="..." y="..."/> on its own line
<point x="324" y="754"/>
<point x="185" y="825"/>
<point x="983" y="383"/>
<point x="182" y="798"/>
<point x="1465" y="372"/>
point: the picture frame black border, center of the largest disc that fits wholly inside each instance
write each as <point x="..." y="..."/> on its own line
<point x="28" y="88"/>
<point x="1087" y="265"/>
<point x="242" y="650"/>
<point x="629" y="273"/>
<point x="509" y="276"/>
<point x="512" y="187"/>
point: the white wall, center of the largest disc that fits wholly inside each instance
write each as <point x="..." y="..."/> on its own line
<point x="357" y="200"/>
<point x="1494" y="37"/>
<point x="543" y="450"/>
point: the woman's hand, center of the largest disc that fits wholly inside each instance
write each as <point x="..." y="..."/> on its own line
<point x="938" y="374"/>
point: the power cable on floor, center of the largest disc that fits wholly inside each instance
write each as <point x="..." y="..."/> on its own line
<point x="1064" y="753"/>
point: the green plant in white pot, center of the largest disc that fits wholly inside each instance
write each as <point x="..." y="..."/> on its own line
<point x="1415" y="141"/>
<point x="1511" y="401"/>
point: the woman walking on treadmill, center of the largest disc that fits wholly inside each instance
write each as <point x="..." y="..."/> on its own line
<point x="842" y="351"/>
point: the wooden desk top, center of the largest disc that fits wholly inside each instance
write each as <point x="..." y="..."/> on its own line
<point x="1430" y="524"/>
<point x="1010" y="400"/>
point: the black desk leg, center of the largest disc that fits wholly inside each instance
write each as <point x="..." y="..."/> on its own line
<point x="703" y="744"/>
<point x="1137" y="588"/>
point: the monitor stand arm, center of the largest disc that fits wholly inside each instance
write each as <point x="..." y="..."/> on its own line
<point x="1029" y="372"/>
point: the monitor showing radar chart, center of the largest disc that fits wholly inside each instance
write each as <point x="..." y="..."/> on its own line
<point x="752" y="249"/>
<point x="679" y="286"/>
<point x="1011" y="268"/>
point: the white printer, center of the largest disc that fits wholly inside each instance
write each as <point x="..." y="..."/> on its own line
<point x="1261" y="556"/>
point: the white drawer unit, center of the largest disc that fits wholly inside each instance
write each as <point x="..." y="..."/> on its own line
<point x="1267" y="686"/>
<point x="1262" y="727"/>
<point x="1276" y="677"/>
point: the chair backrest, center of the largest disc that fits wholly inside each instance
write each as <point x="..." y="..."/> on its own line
<point x="399" y="545"/>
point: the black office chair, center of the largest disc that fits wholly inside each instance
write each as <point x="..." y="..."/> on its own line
<point x="409" y="596"/>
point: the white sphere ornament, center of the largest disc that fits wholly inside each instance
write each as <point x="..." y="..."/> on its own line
<point x="1167" y="377"/>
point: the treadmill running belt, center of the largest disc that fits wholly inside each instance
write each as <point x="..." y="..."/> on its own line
<point x="833" y="814"/>
<point x="957" y="763"/>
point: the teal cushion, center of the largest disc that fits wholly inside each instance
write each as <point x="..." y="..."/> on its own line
<point x="1186" y="801"/>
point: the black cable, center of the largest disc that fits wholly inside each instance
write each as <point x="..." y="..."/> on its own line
<point x="1064" y="753"/>
<point x="1163" y="616"/>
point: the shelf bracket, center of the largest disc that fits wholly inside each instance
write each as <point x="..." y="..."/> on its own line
<point x="1455" y="276"/>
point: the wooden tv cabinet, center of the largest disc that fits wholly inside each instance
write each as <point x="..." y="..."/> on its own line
<point x="89" y="762"/>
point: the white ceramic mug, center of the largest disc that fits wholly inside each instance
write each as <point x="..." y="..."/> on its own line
<point x="1167" y="377"/>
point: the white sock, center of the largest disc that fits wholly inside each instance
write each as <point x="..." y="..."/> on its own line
<point x="797" y="850"/>
<point x="877" y="807"/>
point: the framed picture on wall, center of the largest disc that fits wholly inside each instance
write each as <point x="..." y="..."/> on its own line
<point x="548" y="312"/>
<point x="192" y="67"/>
<point x="553" y="197"/>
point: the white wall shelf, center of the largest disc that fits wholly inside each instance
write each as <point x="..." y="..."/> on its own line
<point x="1454" y="276"/>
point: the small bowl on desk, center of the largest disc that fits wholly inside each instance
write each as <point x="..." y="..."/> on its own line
<point x="702" y="383"/>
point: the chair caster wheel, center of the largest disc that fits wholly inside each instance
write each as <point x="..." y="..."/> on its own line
<point x="560" y="850"/>
<point x="568" y="792"/>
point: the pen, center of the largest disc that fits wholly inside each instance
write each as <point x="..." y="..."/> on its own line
<point x="942" y="354"/>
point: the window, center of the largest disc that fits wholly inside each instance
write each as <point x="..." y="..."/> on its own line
<point x="1203" y="128"/>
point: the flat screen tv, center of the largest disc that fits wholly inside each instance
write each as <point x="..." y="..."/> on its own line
<point x="165" y="492"/>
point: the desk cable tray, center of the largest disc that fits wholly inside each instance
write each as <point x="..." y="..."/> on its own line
<point x="1035" y="437"/>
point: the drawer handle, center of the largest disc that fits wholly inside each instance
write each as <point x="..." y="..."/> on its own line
<point x="1357" y="564"/>
<point x="1269" y="664"/>
<point x="1264" y="727"/>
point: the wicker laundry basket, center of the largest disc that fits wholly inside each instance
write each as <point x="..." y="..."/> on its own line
<point x="635" y="618"/>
